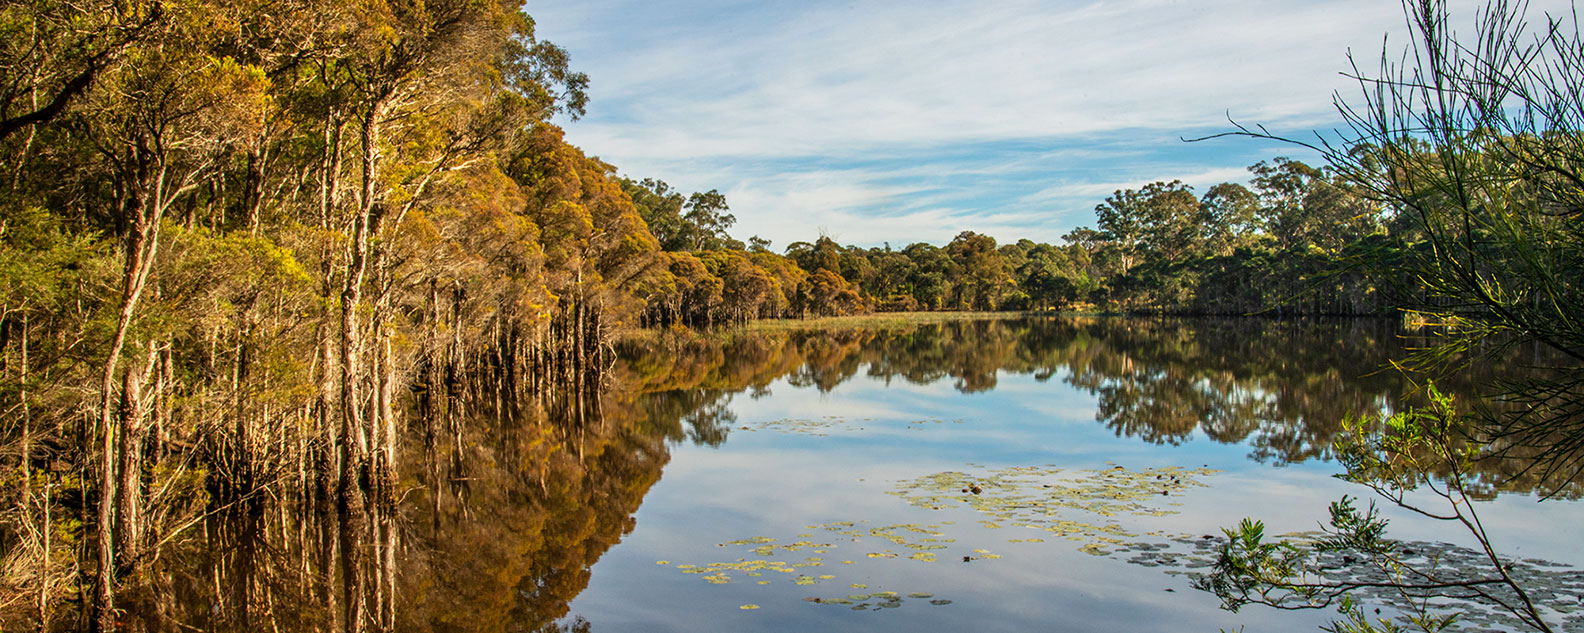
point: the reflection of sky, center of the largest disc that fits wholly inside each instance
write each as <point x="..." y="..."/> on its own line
<point x="765" y="482"/>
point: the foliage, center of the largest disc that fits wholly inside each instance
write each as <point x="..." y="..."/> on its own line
<point x="1419" y="450"/>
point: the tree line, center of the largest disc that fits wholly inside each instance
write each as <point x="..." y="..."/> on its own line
<point x="1296" y="240"/>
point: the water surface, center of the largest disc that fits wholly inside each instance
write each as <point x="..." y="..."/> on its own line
<point x="1060" y="474"/>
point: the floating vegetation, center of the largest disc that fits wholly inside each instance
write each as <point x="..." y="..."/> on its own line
<point x="1090" y="509"/>
<point x="825" y="425"/>
<point x="878" y="600"/>
<point x="820" y="427"/>
<point x="1077" y="505"/>
<point x="921" y="540"/>
<point x="1044" y="498"/>
<point x="922" y="424"/>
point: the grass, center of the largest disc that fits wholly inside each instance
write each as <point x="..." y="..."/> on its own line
<point x="877" y="320"/>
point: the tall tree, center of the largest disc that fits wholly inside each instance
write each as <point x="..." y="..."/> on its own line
<point x="982" y="268"/>
<point x="1231" y="218"/>
<point x="661" y="208"/>
<point x="706" y="219"/>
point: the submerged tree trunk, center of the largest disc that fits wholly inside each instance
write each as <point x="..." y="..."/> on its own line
<point x="129" y="463"/>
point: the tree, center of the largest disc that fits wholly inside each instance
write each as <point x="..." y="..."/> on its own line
<point x="51" y="52"/>
<point x="1047" y="277"/>
<point x="932" y="274"/>
<point x="827" y="294"/>
<point x="1161" y="221"/>
<point x="1231" y="218"/>
<point x="706" y="220"/>
<point x="983" y="273"/>
<point x="1474" y="144"/>
<point x="1121" y="225"/>
<point x="661" y="208"/>
<point x="1283" y="185"/>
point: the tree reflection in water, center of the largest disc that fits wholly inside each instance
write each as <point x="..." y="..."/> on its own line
<point x="501" y="515"/>
<point x="1280" y="387"/>
<point x="506" y="503"/>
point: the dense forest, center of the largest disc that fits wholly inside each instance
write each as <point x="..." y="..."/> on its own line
<point x="1299" y="240"/>
<point x="247" y="247"/>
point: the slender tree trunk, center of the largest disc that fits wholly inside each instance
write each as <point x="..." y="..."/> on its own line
<point x="242" y="449"/>
<point x="44" y="564"/>
<point x="27" y="417"/>
<point x="129" y="466"/>
<point x="252" y="199"/>
<point x="354" y="438"/>
<point x="42" y="604"/>
<point x="387" y="413"/>
<point x="140" y="248"/>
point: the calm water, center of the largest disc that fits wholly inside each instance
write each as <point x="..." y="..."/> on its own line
<point x="1015" y="475"/>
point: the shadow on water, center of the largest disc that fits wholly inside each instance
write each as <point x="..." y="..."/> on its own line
<point x="504" y="506"/>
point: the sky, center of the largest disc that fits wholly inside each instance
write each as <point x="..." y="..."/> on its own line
<point x="881" y="121"/>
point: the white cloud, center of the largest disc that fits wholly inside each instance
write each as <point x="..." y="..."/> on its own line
<point x="761" y="99"/>
<point x="841" y="79"/>
<point x="1200" y="180"/>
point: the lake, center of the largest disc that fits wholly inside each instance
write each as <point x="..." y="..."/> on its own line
<point x="1015" y="474"/>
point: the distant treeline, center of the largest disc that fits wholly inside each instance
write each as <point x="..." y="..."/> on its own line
<point x="1297" y="241"/>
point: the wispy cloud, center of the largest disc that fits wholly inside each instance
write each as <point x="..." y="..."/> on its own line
<point x="1202" y="179"/>
<point x="881" y="118"/>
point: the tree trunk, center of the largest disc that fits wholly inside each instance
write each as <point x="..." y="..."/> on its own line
<point x="141" y="243"/>
<point x="354" y="442"/>
<point x="129" y="463"/>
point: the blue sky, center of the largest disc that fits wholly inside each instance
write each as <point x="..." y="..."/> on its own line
<point x="901" y="121"/>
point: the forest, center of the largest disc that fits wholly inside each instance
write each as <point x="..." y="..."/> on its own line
<point x="1299" y="240"/>
<point x="247" y="247"/>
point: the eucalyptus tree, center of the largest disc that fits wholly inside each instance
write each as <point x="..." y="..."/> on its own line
<point x="931" y="276"/>
<point x="661" y="208"/>
<point x="52" y="51"/>
<point x="706" y="218"/>
<point x="983" y="273"/>
<point x="1231" y="218"/>
<point x="1474" y="143"/>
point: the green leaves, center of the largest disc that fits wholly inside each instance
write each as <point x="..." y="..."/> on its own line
<point x="1250" y="569"/>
